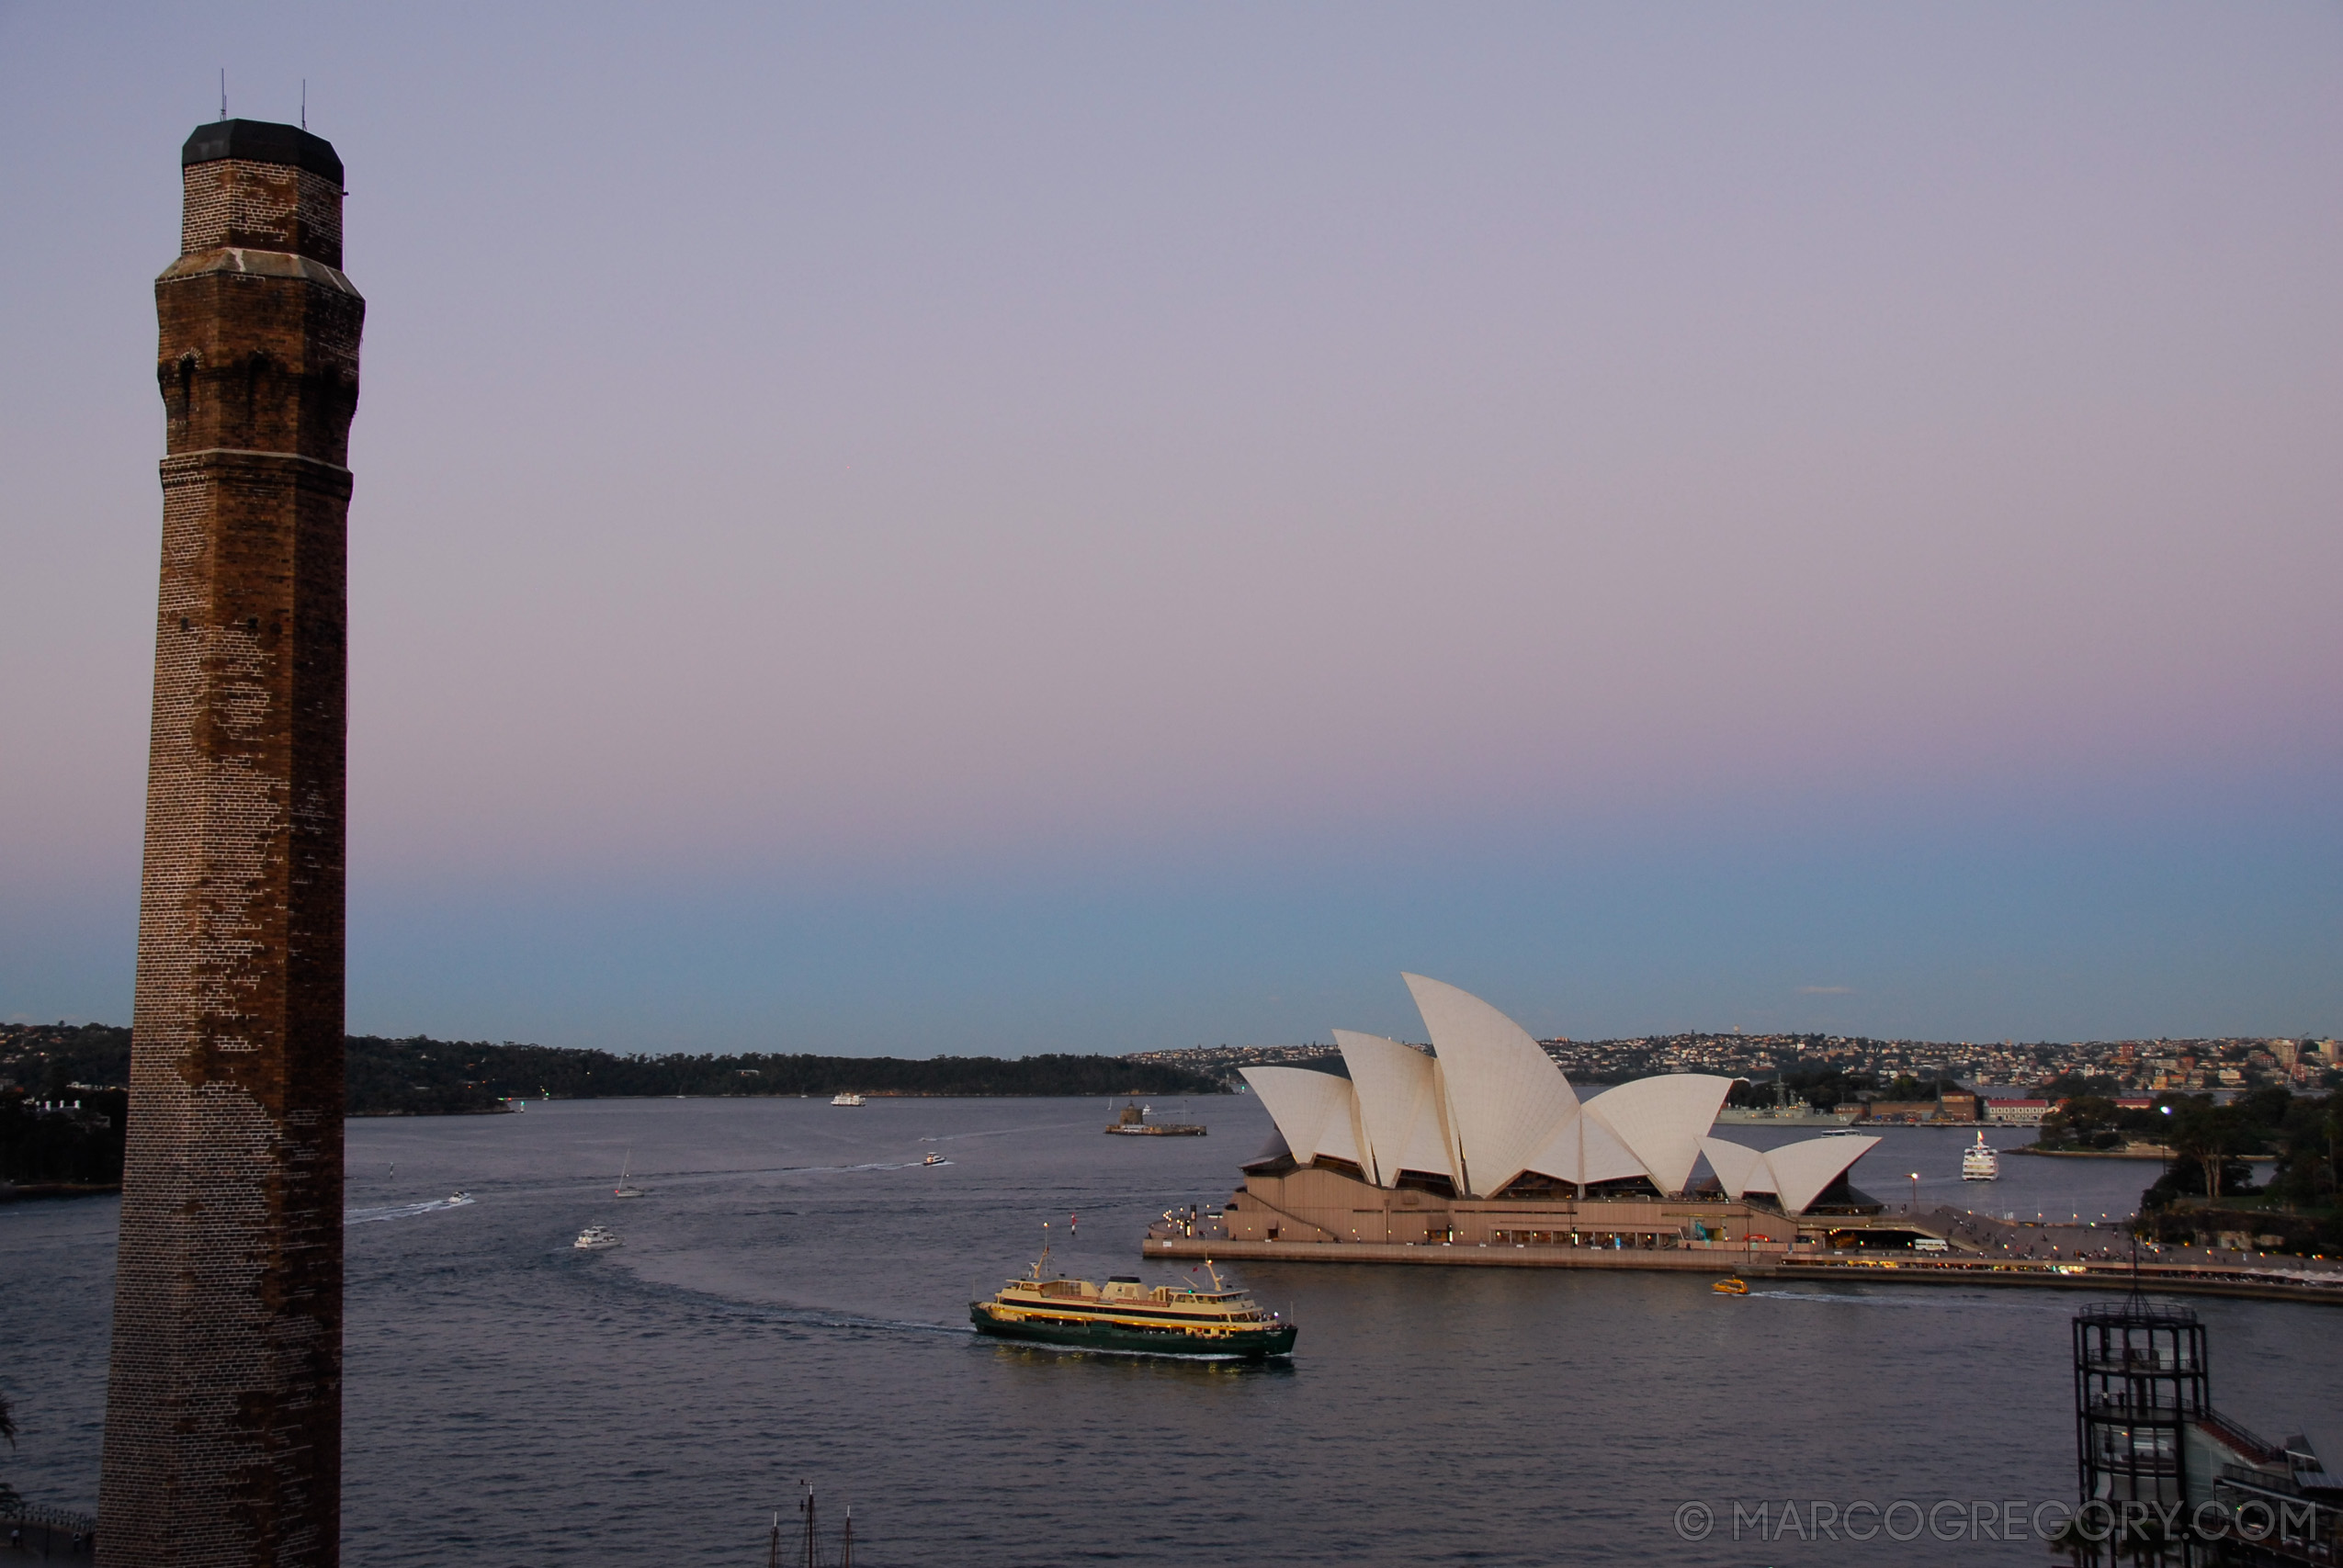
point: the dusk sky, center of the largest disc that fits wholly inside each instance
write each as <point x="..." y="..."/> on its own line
<point x="994" y="528"/>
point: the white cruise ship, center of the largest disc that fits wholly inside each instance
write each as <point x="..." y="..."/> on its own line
<point x="1979" y="1162"/>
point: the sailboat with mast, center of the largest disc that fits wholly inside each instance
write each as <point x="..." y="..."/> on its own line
<point x="625" y="1188"/>
<point x="813" y="1556"/>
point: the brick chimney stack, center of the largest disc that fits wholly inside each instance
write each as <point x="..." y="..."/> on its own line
<point x="223" y="1421"/>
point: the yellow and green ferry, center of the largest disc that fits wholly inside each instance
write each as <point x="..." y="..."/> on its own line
<point x="1124" y="1314"/>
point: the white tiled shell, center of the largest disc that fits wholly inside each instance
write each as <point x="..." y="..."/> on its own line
<point x="1398" y="1092"/>
<point x="1661" y="1121"/>
<point x="1505" y="1096"/>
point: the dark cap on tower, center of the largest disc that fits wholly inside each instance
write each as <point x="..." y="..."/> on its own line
<point x="262" y="142"/>
<point x="253" y="185"/>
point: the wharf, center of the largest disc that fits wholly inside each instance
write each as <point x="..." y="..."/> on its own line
<point x="2254" y="1282"/>
<point x="1982" y="1250"/>
<point x="1469" y="1254"/>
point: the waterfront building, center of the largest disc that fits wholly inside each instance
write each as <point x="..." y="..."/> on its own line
<point x="223" y="1414"/>
<point x="1484" y="1139"/>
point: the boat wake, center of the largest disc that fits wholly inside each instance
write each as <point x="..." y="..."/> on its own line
<point x="1967" y="1300"/>
<point x="405" y="1211"/>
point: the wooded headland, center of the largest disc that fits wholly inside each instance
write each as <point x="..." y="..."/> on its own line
<point x="89" y="1065"/>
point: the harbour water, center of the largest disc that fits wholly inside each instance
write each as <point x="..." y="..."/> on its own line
<point x="790" y="1304"/>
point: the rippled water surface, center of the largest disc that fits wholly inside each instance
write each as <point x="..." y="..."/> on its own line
<point x="790" y="1301"/>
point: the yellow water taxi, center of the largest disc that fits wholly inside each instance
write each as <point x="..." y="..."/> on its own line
<point x="1735" y="1286"/>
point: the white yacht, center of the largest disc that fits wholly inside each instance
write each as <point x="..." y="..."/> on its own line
<point x="1979" y="1162"/>
<point x="594" y="1238"/>
<point x="845" y="1099"/>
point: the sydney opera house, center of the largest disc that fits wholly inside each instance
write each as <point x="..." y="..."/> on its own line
<point x="1482" y="1141"/>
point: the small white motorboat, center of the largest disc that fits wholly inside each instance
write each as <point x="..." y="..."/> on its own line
<point x="594" y="1238"/>
<point x="1979" y="1162"/>
<point x="458" y="1200"/>
<point x="933" y="1159"/>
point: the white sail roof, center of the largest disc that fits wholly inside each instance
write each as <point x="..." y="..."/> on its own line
<point x="1584" y="1151"/>
<point x="1802" y="1170"/>
<point x="1661" y="1121"/>
<point x="1399" y="1107"/>
<point x="1505" y="1097"/>
<point x="1492" y="1106"/>
<point x="1313" y="1110"/>
<point x="1738" y="1167"/>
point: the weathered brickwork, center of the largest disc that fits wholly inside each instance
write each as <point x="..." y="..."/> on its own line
<point x="223" y="1409"/>
<point x="262" y="206"/>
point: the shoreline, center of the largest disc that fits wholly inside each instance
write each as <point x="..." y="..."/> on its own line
<point x="2136" y="1151"/>
<point x="26" y="1191"/>
<point x="2140" y="1152"/>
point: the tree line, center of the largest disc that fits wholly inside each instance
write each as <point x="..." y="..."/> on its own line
<point x="422" y="1075"/>
<point x="2208" y="1144"/>
<point x="419" y="1076"/>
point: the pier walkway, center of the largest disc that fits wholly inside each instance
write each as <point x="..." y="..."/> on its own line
<point x="1979" y="1249"/>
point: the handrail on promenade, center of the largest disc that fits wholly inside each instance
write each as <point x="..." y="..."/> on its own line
<point x="47" y="1517"/>
<point x="80" y="1532"/>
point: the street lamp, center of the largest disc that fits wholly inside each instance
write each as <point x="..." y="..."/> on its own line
<point x="1916" y="1192"/>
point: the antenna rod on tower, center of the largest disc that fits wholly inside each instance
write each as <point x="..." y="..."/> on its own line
<point x="223" y="91"/>
<point x="304" y="103"/>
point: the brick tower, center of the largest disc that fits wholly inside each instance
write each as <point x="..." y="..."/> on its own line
<point x="223" y="1411"/>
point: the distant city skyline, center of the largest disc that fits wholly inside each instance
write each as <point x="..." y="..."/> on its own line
<point x="911" y="530"/>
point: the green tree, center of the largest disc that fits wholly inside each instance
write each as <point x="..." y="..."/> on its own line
<point x="2213" y="1137"/>
<point x="2309" y="1135"/>
<point x="2086" y="1119"/>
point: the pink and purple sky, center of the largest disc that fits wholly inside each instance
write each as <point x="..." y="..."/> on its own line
<point x="942" y="528"/>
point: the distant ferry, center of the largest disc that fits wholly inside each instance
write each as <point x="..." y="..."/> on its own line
<point x="845" y="1099"/>
<point x="1170" y="1320"/>
<point x="1979" y="1162"/>
<point x="1134" y="1124"/>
